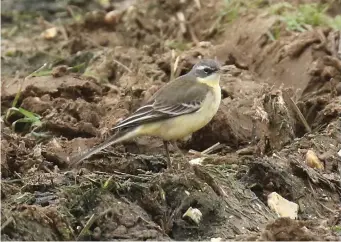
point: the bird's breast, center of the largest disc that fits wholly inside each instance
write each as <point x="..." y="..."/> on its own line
<point x="184" y="125"/>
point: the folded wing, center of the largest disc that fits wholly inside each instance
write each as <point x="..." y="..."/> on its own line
<point x="180" y="97"/>
<point x="153" y="113"/>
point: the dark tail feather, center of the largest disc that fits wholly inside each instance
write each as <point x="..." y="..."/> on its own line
<point x="119" y="137"/>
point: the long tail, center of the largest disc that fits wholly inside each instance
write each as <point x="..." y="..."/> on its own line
<point x="119" y="137"/>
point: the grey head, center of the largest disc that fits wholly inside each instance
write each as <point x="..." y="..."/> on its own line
<point x="205" y="68"/>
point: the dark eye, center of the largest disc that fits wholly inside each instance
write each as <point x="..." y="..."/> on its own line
<point x="207" y="70"/>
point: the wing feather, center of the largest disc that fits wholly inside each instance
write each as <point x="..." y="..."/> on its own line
<point x="168" y="102"/>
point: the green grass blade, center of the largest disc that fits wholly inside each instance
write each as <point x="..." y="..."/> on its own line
<point x="28" y="114"/>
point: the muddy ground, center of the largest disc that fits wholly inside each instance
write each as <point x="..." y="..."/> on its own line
<point x="103" y="59"/>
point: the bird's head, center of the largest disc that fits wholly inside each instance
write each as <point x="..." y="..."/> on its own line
<point x="207" y="71"/>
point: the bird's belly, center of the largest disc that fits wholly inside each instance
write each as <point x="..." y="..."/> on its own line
<point x="184" y="125"/>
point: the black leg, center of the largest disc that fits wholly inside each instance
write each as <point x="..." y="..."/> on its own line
<point x="169" y="162"/>
<point x="178" y="149"/>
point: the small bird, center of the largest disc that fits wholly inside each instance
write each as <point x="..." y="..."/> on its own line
<point x="174" y="112"/>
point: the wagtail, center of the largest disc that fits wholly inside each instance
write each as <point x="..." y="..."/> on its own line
<point x="174" y="112"/>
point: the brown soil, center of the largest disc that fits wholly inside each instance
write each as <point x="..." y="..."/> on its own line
<point x="103" y="68"/>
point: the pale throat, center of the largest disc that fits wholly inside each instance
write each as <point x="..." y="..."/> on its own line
<point x="211" y="81"/>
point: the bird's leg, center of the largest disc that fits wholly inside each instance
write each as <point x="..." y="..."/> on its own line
<point x="169" y="162"/>
<point x="180" y="152"/>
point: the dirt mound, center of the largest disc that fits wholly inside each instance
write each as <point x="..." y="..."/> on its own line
<point x="285" y="229"/>
<point x="251" y="112"/>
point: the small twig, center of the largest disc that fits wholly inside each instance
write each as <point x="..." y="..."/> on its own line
<point x="121" y="64"/>
<point x="18" y="175"/>
<point x="324" y="206"/>
<point x="167" y="221"/>
<point x="88" y="224"/>
<point x="11" y="181"/>
<point x="172" y="65"/>
<point x="211" y="149"/>
<point x="92" y="180"/>
<point x="47" y="169"/>
<point x="339" y="51"/>
<point x="312" y="189"/>
<point x="91" y="221"/>
<point x="207" y="151"/>
<point x="196" y="153"/>
<point x="298" y="111"/>
<point x="38" y="70"/>
<point x="142" y="176"/>
<point x="182" y="20"/>
<point x="176" y="64"/>
<point x="131" y="176"/>
<point x="101" y="172"/>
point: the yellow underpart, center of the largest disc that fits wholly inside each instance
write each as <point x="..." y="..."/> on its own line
<point x="184" y="125"/>
<point x="211" y="81"/>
